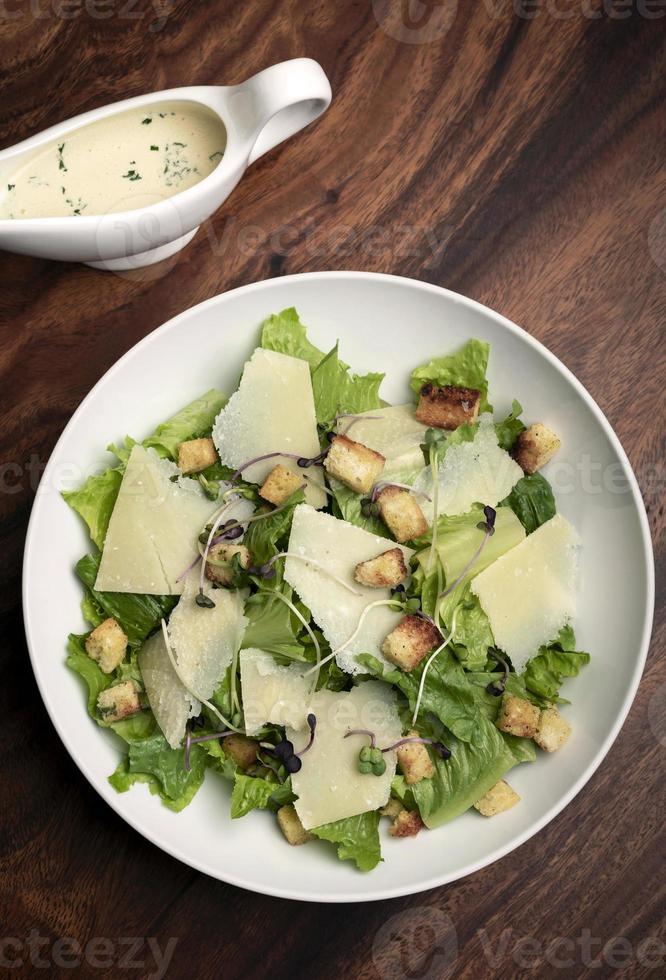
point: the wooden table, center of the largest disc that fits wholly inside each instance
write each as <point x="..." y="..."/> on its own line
<point x="515" y="158"/>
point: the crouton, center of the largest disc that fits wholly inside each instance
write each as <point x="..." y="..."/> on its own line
<point x="499" y="798"/>
<point x="353" y="464"/>
<point x="223" y="574"/>
<point x="535" y="447"/>
<point x="406" y="824"/>
<point x="553" y="730"/>
<point x="410" y="641"/>
<point x="196" y="454"/>
<point x="392" y="809"/>
<point x="119" y="701"/>
<point x="414" y="761"/>
<point x="383" y="572"/>
<point x="241" y="750"/>
<point x="518" y="717"/>
<point x="447" y="407"/>
<point x="279" y="485"/>
<point x="291" y="826"/>
<point x="107" y="645"/>
<point x="401" y="513"/>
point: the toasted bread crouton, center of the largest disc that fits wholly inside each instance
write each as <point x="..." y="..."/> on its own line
<point x="279" y="485"/>
<point x="196" y="454"/>
<point x="241" y="750"/>
<point x="291" y="826"/>
<point x="353" y="464"/>
<point x="383" y="572"/>
<point x="414" y="761"/>
<point x="406" y="824"/>
<point x="107" y="645"/>
<point x="119" y="701"/>
<point x="553" y="730"/>
<point x="401" y="513"/>
<point x="219" y="564"/>
<point x="518" y="717"/>
<point x="447" y="407"/>
<point x="535" y="447"/>
<point x="499" y="798"/>
<point x="410" y="641"/>
<point x="392" y="808"/>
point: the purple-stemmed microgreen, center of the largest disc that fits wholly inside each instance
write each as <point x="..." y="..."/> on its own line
<point x="489" y="527"/>
<point x="370" y="757"/>
<point x="267" y="571"/>
<point x="353" y="420"/>
<point x="284" y="750"/>
<point x="383" y="484"/>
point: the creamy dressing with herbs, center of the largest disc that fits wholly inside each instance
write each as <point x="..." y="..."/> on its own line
<point x="121" y="163"/>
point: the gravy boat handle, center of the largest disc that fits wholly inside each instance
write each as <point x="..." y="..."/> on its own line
<point x="279" y="101"/>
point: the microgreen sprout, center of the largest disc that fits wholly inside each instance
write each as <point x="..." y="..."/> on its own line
<point x="497" y="688"/>
<point x="267" y="570"/>
<point x="370" y="756"/>
<point x="489" y="527"/>
<point x="369" y="508"/>
<point x="183" y="680"/>
<point x="260" y="459"/>
<point x="370" y="761"/>
<point x="442" y="750"/>
<point x="304" y="461"/>
<point x="354" y="419"/>
<point x="312" y="725"/>
<point x="284" y="750"/>
<point x="383" y="484"/>
<point x="429" y="661"/>
<point x="203" y="600"/>
<point x="189" y="741"/>
<point x="350" y="639"/>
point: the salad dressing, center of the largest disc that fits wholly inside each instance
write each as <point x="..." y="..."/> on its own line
<point x="123" y="162"/>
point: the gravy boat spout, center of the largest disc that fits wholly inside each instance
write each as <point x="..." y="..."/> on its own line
<point x="129" y="215"/>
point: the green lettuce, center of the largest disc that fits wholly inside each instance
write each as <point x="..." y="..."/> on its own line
<point x="357" y="839"/>
<point x="95" y="500"/>
<point x="335" y="389"/>
<point x="250" y="793"/>
<point x="468" y="775"/>
<point x="192" y="422"/>
<point x="151" y="760"/>
<point x="532" y="501"/>
<point x="510" y="428"/>
<point x="264" y="537"/>
<point x="78" y="660"/>
<point x="447" y="693"/>
<point x="545" y="673"/>
<point x="466" y="368"/>
<point x="347" y="505"/>
<point x="138" y="615"/>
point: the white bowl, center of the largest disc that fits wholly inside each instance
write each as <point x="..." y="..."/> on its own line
<point x="390" y="324"/>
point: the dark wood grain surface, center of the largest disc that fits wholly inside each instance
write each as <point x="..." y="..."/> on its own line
<point x="512" y="152"/>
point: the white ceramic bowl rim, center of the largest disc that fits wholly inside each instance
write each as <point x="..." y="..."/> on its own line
<point x="360" y="893"/>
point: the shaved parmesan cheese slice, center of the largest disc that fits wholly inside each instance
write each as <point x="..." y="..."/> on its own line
<point x="271" y="693"/>
<point x="339" y="546"/>
<point x="153" y="531"/>
<point x="205" y="640"/>
<point x="530" y="592"/>
<point x="394" y="432"/>
<point x="476" y="472"/>
<point x="170" y="701"/>
<point x="272" y="411"/>
<point x="329" y="785"/>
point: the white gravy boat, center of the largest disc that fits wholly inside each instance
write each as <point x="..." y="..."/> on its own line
<point x="257" y="114"/>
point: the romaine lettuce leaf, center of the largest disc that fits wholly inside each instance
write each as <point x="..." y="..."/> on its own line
<point x="79" y="661"/>
<point x="532" y="501"/>
<point x="335" y="389"/>
<point x="510" y="428"/>
<point x="151" y="760"/>
<point x="357" y="839"/>
<point x="138" y="615"/>
<point x="545" y="673"/>
<point x="466" y="368"/>
<point x="192" y="422"/>
<point x="95" y="500"/>
<point x="250" y="793"/>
